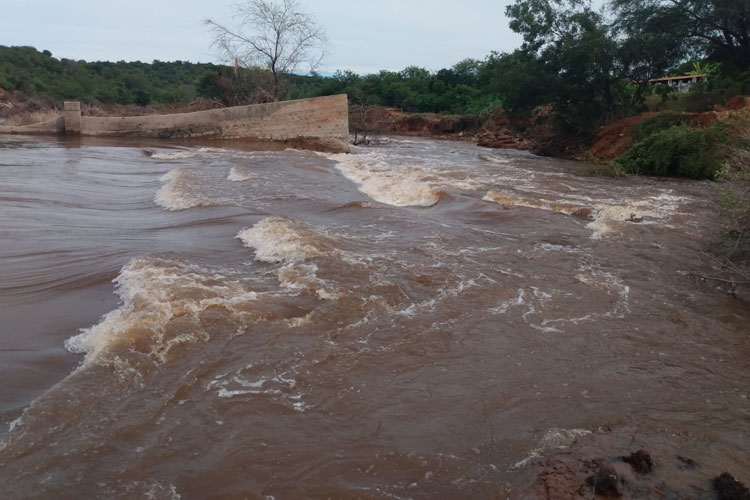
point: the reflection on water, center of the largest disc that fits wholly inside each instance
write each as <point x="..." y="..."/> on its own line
<point x="416" y="320"/>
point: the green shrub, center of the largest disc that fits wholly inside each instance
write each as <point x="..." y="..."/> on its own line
<point x="680" y="151"/>
<point x="652" y="124"/>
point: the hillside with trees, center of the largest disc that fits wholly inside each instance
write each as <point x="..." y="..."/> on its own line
<point x="36" y="73"/>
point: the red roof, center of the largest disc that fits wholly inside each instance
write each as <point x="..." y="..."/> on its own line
<point x="684" y="77"/>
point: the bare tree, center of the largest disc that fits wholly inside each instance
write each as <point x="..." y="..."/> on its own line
<point x="364" y="119"/>
<point x="274" y="35"/>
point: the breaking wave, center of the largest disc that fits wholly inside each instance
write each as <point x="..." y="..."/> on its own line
<point x="383" y="183"/>
<point x="180" y="191"/>
<point x="239" y="175"/>
<point x="162" y="303"/>
<point x="183" y="155"/>
<point x="277" y="239"/>
<point x="605" y="217"/>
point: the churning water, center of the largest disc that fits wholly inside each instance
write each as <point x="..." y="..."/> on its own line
<point x="418" y="319"/>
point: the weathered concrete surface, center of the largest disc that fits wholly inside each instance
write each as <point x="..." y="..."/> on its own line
<point x="72" y="114"/>
<point x="321" y="123"/>
<point x="52" y="127"/>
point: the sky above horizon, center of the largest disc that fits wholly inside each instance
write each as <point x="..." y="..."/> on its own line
<point x="365" y="37"/>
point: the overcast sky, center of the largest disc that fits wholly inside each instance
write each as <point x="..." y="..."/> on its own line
<point x="365" y="36"/>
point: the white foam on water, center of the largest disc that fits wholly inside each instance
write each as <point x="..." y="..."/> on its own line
<point x="546" y="329"/>
<point x="15" y="424"/>
<point x="510" y="200"/>
<point x="147" y="490"/>
<point x="157" y="491"/>
<point x="277" y="239"/>
<point x="495" y="159"/>
<point x="280" y="388"/>
<point x="12" y="426"/>
<point x="182" y="155"/>
<point x="652" y="210"/>
<point x="552" y="439"/>
<point x="384" y="183"/>
<point x="239" y="175"/>
<point x="180" y="191"/>
<point x="442" y="295"/>
<point x="612" y="285"/>
<point x="298" y="276"/>
<point x="606" y="217"/>
<point x="550" y="247"/>
<point x="161" y="305"/>
<point x="280" y="240"/>
<point x="508" y="304"/>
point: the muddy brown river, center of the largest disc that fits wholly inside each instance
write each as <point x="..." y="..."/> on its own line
<point x="416" y="320"/>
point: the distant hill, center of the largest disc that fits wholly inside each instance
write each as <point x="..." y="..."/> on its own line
<point x="38" y="73"/>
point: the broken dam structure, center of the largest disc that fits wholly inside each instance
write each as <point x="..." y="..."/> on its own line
<point x="320" y="123"/>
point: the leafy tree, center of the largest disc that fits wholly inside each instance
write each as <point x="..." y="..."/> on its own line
<point x="720" y="29"/>
<point x="651" y="43"/>
<point x="520" y="80"/>
<point x="575" y="53"/>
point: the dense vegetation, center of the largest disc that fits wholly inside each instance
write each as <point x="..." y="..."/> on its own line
<point x="38" y="73"/>
<point x="678" y="151"/>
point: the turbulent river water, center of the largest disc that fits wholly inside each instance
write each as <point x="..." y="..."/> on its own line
<point x="417" y="319"/>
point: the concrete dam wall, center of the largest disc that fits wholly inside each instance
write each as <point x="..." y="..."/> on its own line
<point x="320" y="123"/>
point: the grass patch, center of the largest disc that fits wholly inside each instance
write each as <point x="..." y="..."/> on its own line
<point x="32" y="117"/>
<point x="599" y="168"/>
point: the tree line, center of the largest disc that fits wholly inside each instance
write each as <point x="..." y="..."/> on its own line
<point x="39" y="73"/>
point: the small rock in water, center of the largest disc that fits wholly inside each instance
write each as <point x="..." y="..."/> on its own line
<point x="634" y="218"/>
<point x="729" y="488"/>
<point x="605" y="482"/>
<point x="583" y="213"/>
<point x="640" y="461"/>
<point x="687" y="463"/>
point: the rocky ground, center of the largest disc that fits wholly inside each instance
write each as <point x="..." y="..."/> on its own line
<point x="628" y="463"/>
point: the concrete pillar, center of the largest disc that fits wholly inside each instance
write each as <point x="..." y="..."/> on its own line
<point x="72" y="117"/>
